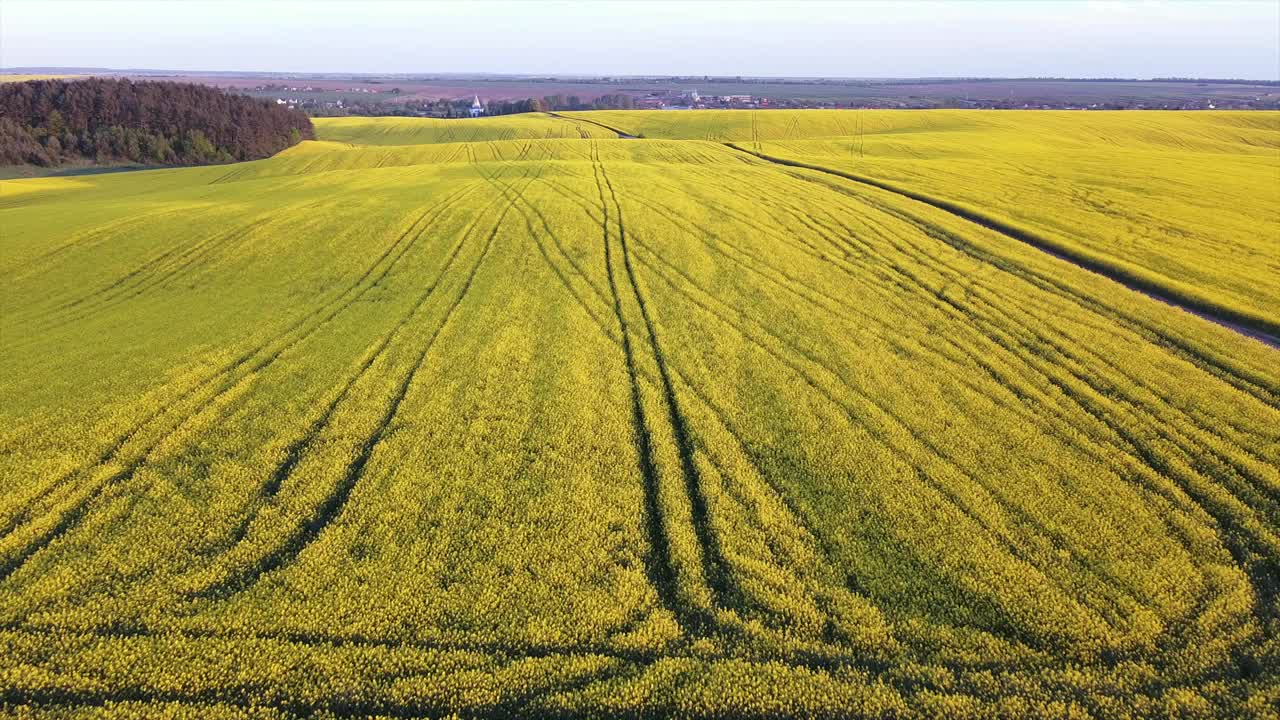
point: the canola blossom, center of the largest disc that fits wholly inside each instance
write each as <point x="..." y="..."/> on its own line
<point x="514" y="417"/>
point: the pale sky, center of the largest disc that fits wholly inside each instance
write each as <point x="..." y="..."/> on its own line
<point x="857" y="39"/>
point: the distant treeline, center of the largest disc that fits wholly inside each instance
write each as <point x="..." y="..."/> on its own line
<point x="561" y="102"/>
<point x="51" y="122"/>
<point x="873" y="82"/>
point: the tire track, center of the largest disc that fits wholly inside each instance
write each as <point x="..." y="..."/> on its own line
<point x="1265" y="332"/>
<point x="965" y="317"/>
<point x="76" y="514"/>
<point x="335" y="502"/>
<point x="299" y="447"/>
<point x="88" y="236"/>
<point x="957" y="274"/>
<point x="716" y="568"/>
<point x="1138" y="454"/>
<point x="147" y="266"/>
<point x="621" y="135"/>
<point x="660" y="566"/>
<point x="751" y="507"/>
<point x="1026" y="353"/>
<point x="1250" y="546"/>
<point x="780" y="564"/>
<point x="1186" y="443"/>
<point x="502" y="652"/>
<point x="109" y="454"/>
<point x="1003" y="538"/>
<point x="124" y="291"/>
<point x="1012" y="547"/>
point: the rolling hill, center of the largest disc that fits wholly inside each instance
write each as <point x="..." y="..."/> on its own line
<point x="513" y="417"/>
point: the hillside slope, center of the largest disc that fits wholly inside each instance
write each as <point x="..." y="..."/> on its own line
<point x="1187" y="203"/>
<point x="599" y="427"/>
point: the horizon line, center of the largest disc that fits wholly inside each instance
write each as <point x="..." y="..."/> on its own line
<point x="638" y="76"/>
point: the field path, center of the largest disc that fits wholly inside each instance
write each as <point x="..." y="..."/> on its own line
<point x="621" y="135"/>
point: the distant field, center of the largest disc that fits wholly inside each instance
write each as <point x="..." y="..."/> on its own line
<point x="418" y="131"/>
<point x="514" y="418"/>
<point x="1187" y="202"/>
<point x="23" y="78"/>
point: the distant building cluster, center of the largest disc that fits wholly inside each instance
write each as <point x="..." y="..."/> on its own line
<point x="693" y="100"/>
<point x="315" y="98"/>
<point x="386" y="97"/>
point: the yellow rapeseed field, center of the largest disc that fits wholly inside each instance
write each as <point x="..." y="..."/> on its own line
<point x="15" y="77"/>
<point x="512" y="417"/>
<point x="417" y="131"/>
<point x="1184" y="203"/>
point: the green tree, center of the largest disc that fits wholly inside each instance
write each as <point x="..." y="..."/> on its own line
<point x="199" y="148"/>
<point x="55" y="124"/>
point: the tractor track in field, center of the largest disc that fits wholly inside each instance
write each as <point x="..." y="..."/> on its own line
<point x="88" y="236"/>
<point x="1039" y="336"/>
<point x="1002" y="312"/>
<point x="771" y="490"/>
<point x="806" y="354"/>
<point x="588" y="209"/>
<point x="294" y="452"/>
<point x="996" y="334"/>
<point x="521" y="704"/>
<point x="1109" y="582"/>
<point x="145" y="267"/>
<point x="1011" y="545"/>
<point x="1130" y="445"/>
<point x="716" y="568"/>
<point x="1003" y="338"/>
<point x="838" y="659"/>
<point x="622" y="135"/>
<point x="505" y="653"/>
<point x="851" y="238"/>
<point x="74" y="515"/>
<point x="250" y="353"/>
<point x="660" y="566"/>
<point x="86" y="306"/>
<point x="118" y="444"/>
<point x="1243" y="380"/>
<point x="1265" y="333"/>
<point x="334" y="503"/>
<point x="1248" y="544"/>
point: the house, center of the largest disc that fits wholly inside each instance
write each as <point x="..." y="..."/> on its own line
<point x="476" y="108"/>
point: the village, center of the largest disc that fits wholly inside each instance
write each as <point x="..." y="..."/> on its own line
<point x="408" y="97"/>
<point x="692" y="100"/>
<point x="354" y="101"/>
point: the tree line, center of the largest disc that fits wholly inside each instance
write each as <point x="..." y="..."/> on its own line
<point x="561" y="102"/>
<point x="52" y="122"/>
